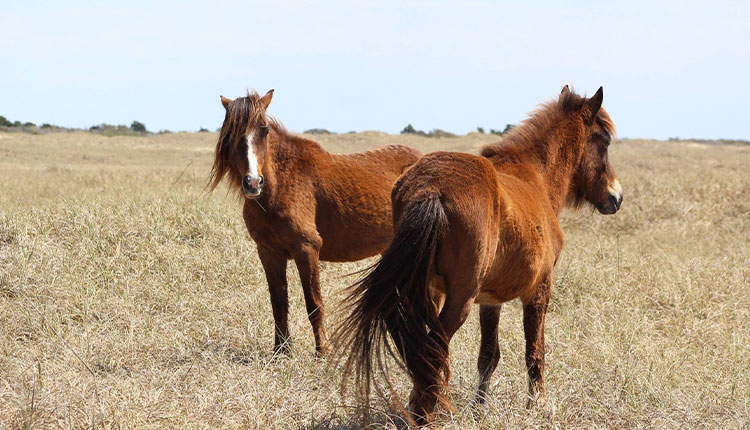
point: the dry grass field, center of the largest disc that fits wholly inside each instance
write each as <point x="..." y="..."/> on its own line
<point x="130" y="299"/>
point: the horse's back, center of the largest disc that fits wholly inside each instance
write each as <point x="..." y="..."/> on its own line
<point x="393" y="159"/>
<point x="353" y="206"/>
<point x="459" y="178"/>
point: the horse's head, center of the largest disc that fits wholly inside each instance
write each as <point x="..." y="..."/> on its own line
<point x="594" y="180"/>
<point x="241" y="152"/>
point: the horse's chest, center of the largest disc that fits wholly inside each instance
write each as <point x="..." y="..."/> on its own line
<point x="275" y="239"/>
<point x="272" y="232"/>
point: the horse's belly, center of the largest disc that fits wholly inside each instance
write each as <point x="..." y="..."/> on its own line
<point x="352" y="244"/>
<point x="344" y="254"/>
<point x="501" y="292"/>
<point x="510" y="278"/>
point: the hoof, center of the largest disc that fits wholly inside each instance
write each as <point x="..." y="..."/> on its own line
<point x="480" y="408"/>
<point x="418" y="414"/>
<point x="323" y="350"/>
<point x="536" y="403"/>
<point x="282" y="350"/>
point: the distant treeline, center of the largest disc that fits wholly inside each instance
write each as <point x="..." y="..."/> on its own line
<point x="6" y="123"/>
<point x="497" y="132"/>
<point x="710" y="141"/>
<point x="136" y="128"/>
<point x="409" y="129"/>
<point x="436" y="132"/>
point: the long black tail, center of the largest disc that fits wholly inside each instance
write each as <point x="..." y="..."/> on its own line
<point x="394" y="298"/>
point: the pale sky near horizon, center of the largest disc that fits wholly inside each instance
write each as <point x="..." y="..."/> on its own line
<point x="671" y="68"/>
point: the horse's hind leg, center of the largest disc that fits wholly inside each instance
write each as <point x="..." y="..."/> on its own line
<point x="489" y="350"/>
<point x="426" y="393"/>
<point x="275" y="268"/>
<point x="307" y="265"/>
<point x="534" y="311"/>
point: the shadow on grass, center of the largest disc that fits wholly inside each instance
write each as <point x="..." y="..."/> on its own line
<point x="357" y="420"/>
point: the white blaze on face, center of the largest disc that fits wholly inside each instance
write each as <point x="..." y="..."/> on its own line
<point x="252" y="161"/>
<point x="616" y="190"/>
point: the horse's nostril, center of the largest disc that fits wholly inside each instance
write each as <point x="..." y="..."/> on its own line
<point x="614" y="201"/>
<point x="262" y="180"/>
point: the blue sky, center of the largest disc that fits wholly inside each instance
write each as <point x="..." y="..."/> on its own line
<point x="672" y="68"/>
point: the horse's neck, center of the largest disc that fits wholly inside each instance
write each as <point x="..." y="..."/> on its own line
<point x="286" y="159"/>
<point x="555" y="168"/>
<point x="559" y="170"/>
<point x="290" y="152"/>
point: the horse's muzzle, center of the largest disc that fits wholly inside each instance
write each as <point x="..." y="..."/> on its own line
<point x="612" y="205"/>
<point x="252" y="187"/>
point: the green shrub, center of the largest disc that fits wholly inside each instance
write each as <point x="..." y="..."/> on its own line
<point x="410" y="130"/>
<point x="4" y="122"/>
<point x="317" y="131"/>
<point x="436" y="132"/>
<point x="138" y="127"/>
<point x="114" y="130"/>
<point x="508" y="127"/>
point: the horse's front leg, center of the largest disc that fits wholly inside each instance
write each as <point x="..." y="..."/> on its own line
<point x="306" y="259"/>
<point x="534" y="311"/>
<point x="275" y="268"/>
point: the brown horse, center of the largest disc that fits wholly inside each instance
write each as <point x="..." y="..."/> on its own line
<point x="303" y="203"/>
<point x="479" y="229"/>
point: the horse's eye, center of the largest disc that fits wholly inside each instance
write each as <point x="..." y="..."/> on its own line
<point x="603" y="138"/>
<point x="263" y="130"/>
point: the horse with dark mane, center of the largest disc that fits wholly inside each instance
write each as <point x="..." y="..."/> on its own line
<point x="303" y="203"/>
<point x="478" y="229"/>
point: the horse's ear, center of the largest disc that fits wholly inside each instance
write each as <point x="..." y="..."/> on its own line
<point x="565" y="90"/>
<point x="595" y="103"/>
<point x="225" y="102"/>
<point x="266" y="99"/>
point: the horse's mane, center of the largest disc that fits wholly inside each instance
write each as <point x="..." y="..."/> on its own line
<point x="532" y="130"/>
<point x="240" y="113"/>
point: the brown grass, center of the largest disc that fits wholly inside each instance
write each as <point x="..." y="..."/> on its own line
<point x="129" y="299"/>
